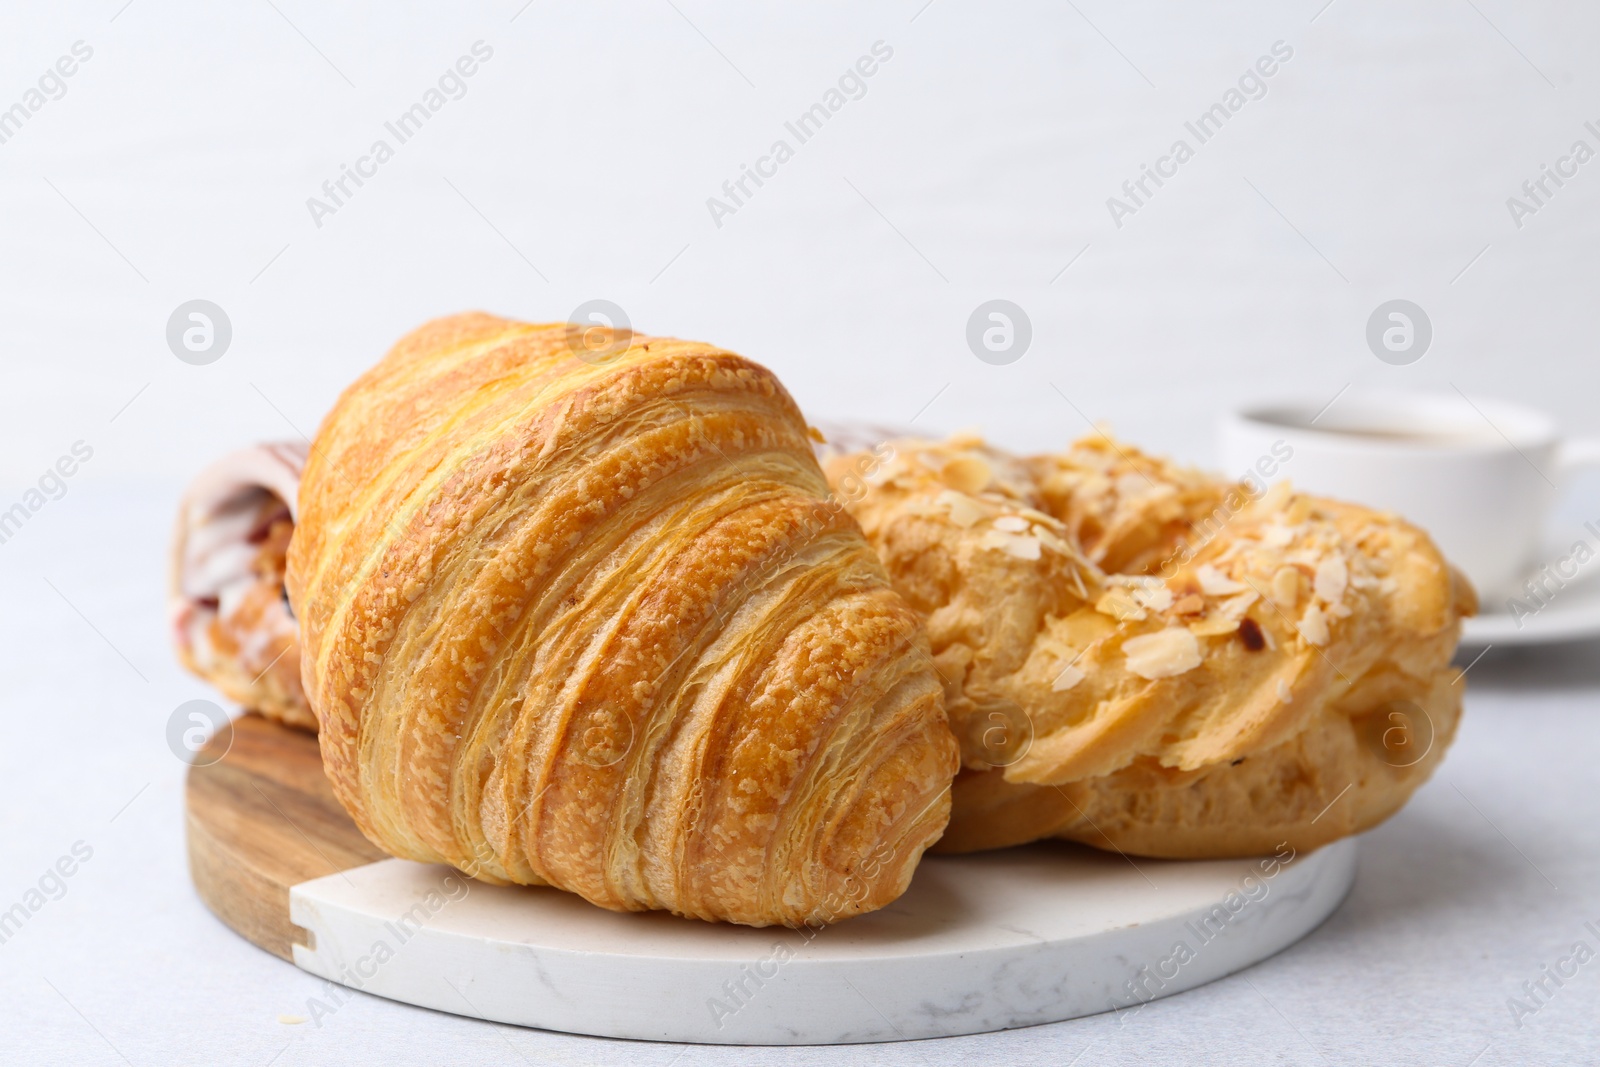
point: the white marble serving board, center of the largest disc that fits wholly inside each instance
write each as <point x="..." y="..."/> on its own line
<point x="978" y="943"/>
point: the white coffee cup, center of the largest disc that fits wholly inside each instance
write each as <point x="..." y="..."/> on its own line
<point x="1482" y="477"/>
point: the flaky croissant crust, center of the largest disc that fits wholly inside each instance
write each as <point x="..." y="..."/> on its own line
<point x="595" y="623"/>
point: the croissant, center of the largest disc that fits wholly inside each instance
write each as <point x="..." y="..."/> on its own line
<point x="230" y="622"/>
<point x="1269" y="667"/>
<point x="580" y="612"/>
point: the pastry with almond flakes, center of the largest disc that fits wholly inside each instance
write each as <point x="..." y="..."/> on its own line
<point x="1145" y="658"/>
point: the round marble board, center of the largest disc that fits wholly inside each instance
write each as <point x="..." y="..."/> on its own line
<point x="981" y="942"/>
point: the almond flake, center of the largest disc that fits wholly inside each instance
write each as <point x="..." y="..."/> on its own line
<point x="1214" y="583"/>
<point x="1018" y="546"/>
<point x="1235" y="607"/>
<point x="1011" y="524"/>
<point x="1163" y="654"/>
<point x="1052" y="542"/>
<point x="1069" y="677"/>
<point x="1286" y="587"/>
<point x="1285" y="694"/>
<point x="1275" y="498"/>
<point x="964" y="511"/>
<point x="1022" y="547"/>
<point x="1313" y="626"/>
<point x="1158" y="598"/>
<point x="1276" y="535"/>
<point x="1040" y="517"/>
<point x="1213" y="627"/>
<point x="1119" y="605"/>
<point x="1332" y="578"/>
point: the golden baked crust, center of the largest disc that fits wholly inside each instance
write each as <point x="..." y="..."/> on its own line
<point x="1210" y="708"/>
<point x="597" y="625"/>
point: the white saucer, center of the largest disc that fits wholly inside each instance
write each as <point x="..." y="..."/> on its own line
<point x="1569" y="612"/>
<point x="983" y="942"/>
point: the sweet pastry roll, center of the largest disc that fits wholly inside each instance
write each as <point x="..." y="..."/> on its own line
<point x="1277" y="660"/>
<point x="229" y="616"/>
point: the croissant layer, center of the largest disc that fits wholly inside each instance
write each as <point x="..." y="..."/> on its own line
<point x="597" y="624"/>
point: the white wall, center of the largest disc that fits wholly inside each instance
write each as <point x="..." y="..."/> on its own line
<point x="593" y="137"/>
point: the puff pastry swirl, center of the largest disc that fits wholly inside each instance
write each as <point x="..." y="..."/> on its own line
<point x="596" y="624"/>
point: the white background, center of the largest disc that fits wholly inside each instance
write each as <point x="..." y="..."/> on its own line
<point x="991" y="141"/>
<point x="977" y="166"/>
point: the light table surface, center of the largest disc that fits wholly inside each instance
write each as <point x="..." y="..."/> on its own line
<point x="1488" y="876"/>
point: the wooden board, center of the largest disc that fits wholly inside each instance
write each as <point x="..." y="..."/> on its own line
<point x="261" y="819"/>
<point x="979" y="942"/>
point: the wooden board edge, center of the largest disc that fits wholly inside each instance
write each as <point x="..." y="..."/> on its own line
<point x="253" y="906"/>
